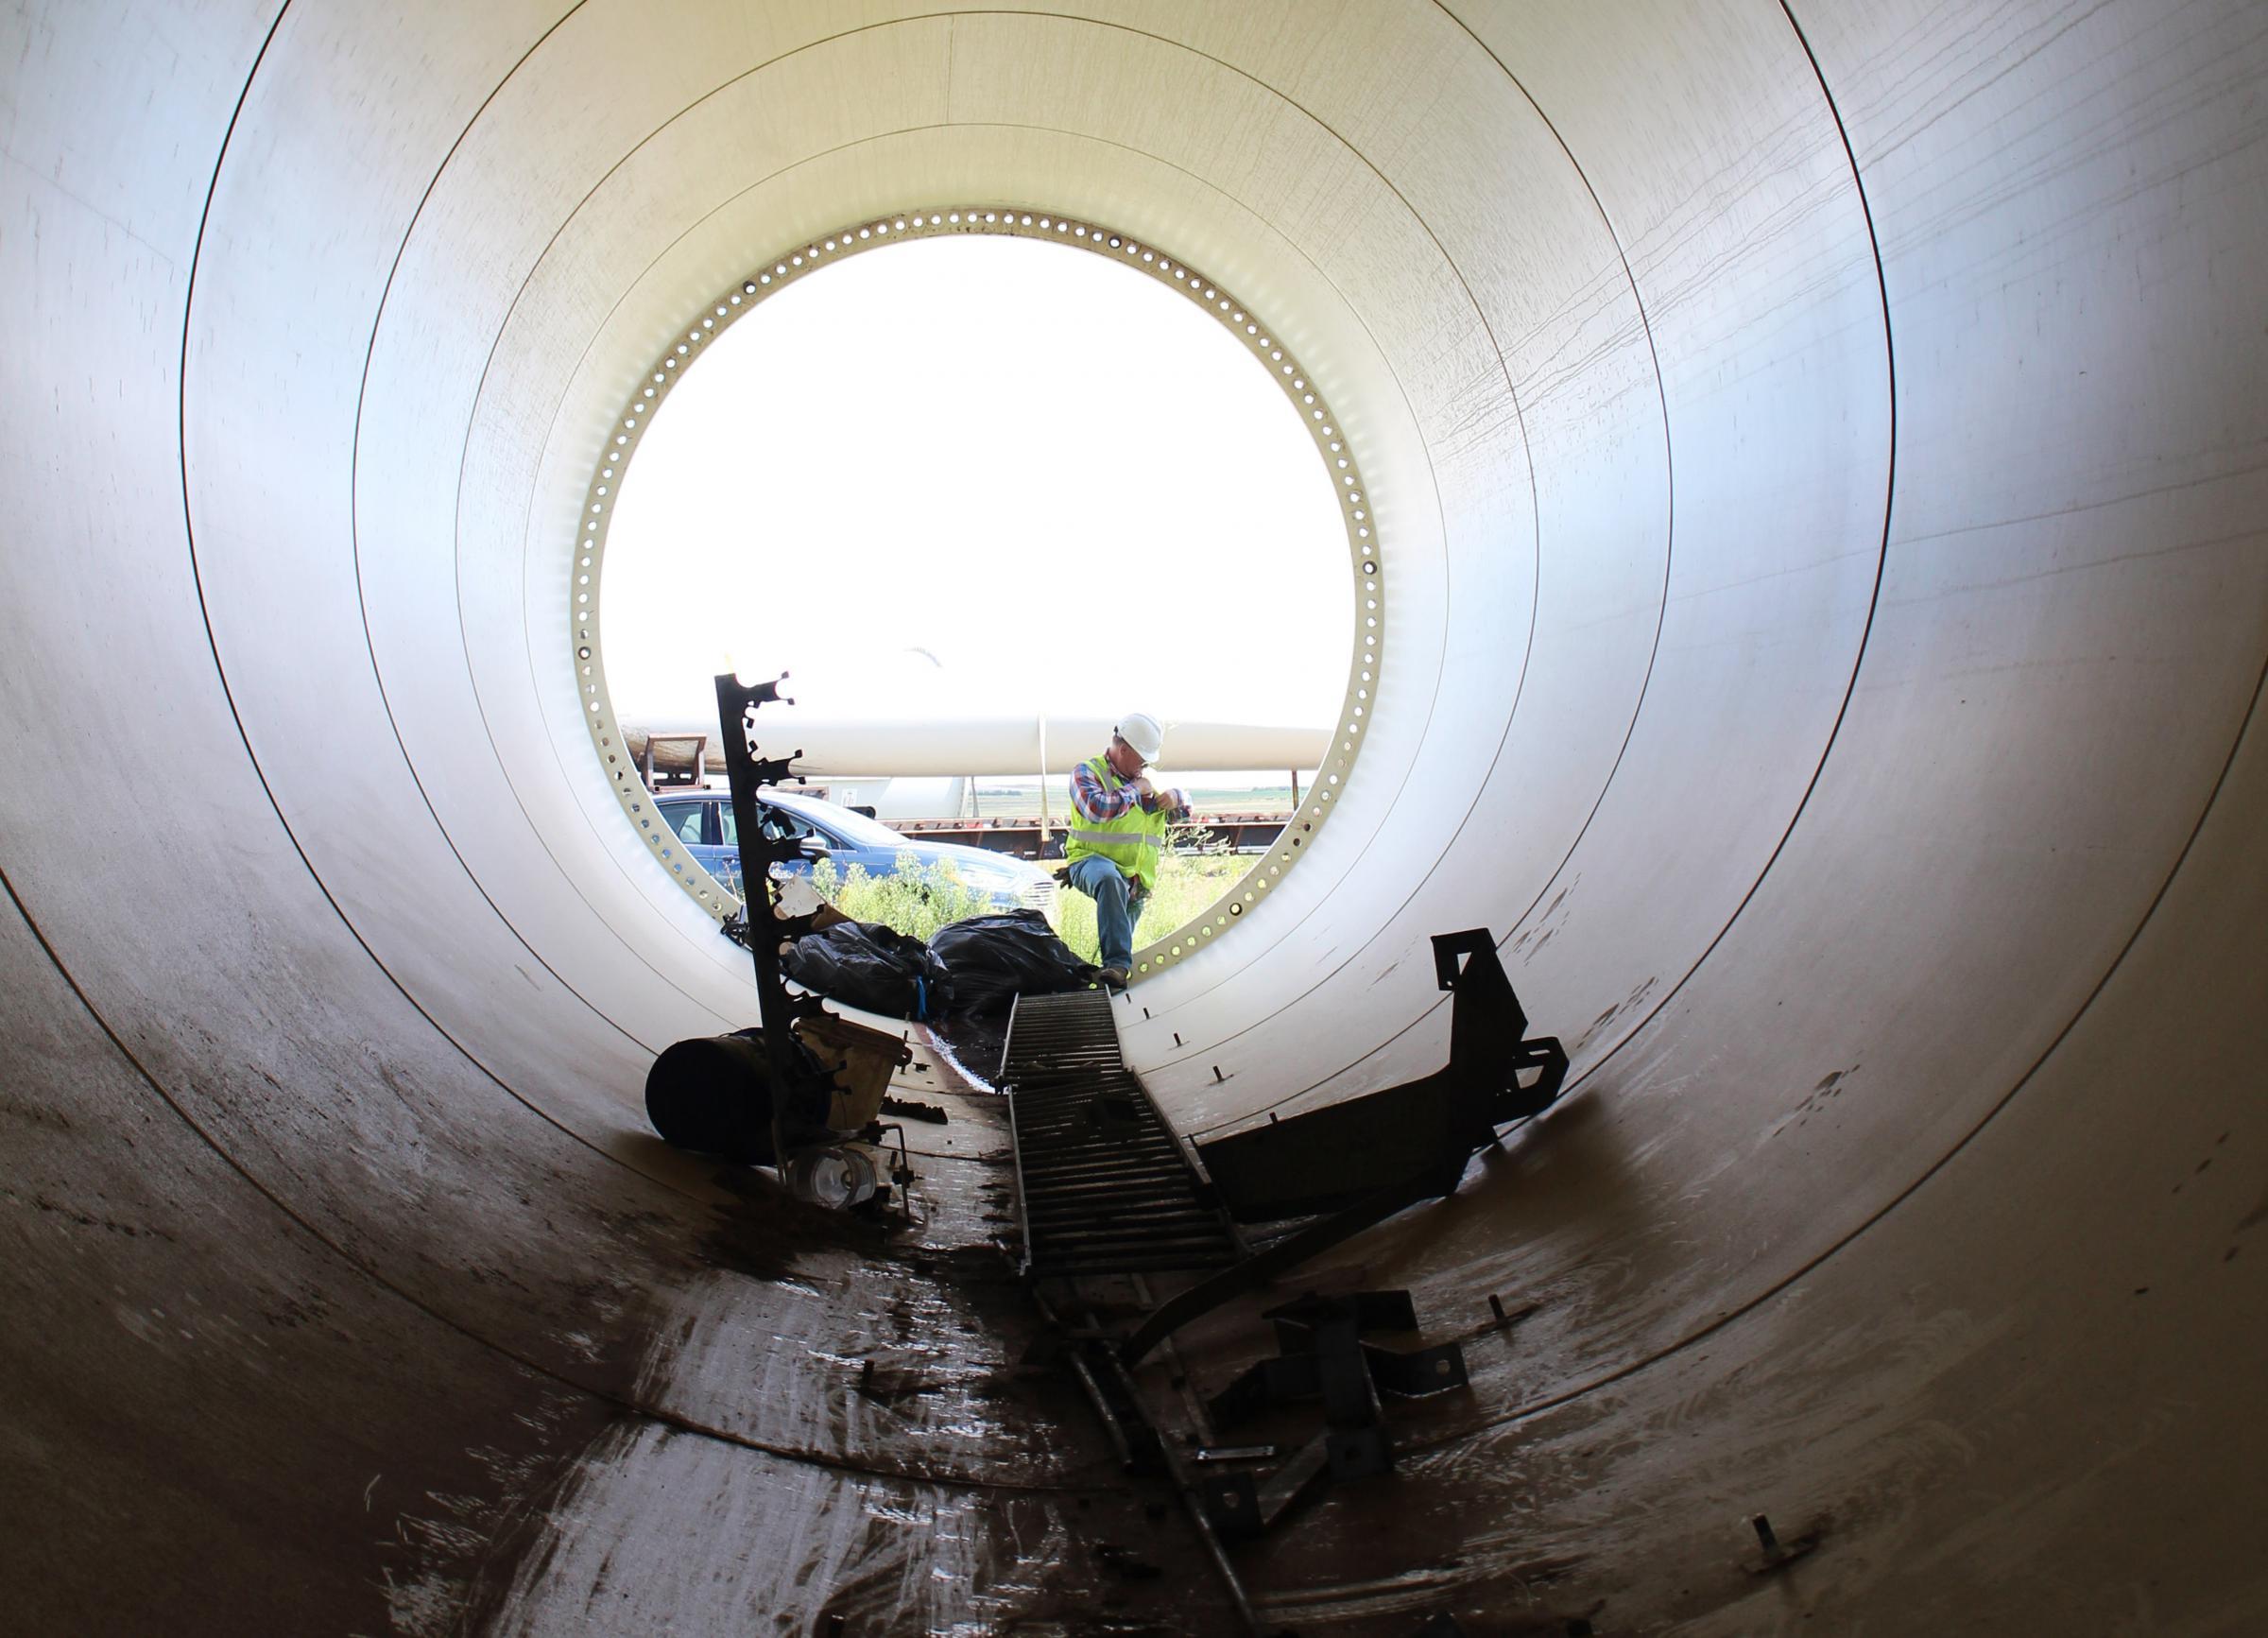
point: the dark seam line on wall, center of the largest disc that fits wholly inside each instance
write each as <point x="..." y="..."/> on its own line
<point x="1881" y="282"/>
<point x="488" y="365"/>
<point x="213" y="642"/>
<point x="1715" y="1326"/>
<point x="1138" y="33"/>
<point x="678" y="1422"/>
<point x="1669" y="466"/>
<point x="1953" y="1153"/>
<point x="354" y="535"/>
<point x="1653" y="652"/>
<point x="667" y="1419"/>
<point x="2133" y="938"/>
<point x="1874" y="597"/>
<point x="1858" y="660"/>
<point x="362" y="601"/>
<point x="464" y="640"/>
<point x="1943" y="1160"/>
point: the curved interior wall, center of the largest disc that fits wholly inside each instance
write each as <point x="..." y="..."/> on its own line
<point x="1818" y="456"/>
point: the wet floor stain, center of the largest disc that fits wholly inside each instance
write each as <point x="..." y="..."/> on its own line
<point x="970" y="1046"/>
<point x="949" y="1484"/>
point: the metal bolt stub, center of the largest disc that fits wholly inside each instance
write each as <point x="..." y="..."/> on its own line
<point x="1501" y="1318"/>
<point x="1777" y="1553"/>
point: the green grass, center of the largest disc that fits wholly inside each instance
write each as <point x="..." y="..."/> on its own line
<point x="916" y="900"/>
<point x="1187" y="882"/>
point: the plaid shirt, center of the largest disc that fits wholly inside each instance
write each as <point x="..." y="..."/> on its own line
<point x="1096" y="802"/>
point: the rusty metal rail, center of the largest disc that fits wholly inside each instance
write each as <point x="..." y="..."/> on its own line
<point x="1102" y="1185"/>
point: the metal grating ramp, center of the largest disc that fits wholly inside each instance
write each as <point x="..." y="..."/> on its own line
<point x="1104" y="1186"/>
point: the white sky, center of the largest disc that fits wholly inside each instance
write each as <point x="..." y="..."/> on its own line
<point x="1066" y="483"/>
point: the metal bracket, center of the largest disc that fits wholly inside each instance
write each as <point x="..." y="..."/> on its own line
<point x="1327" y="1159"/>
<point x="902" y="1173"/>
<point x="656" y="779"/>
<point x="1241" y="1505"/>
<point x="1355" y="1163"/>
<point x="1322" y="1355"/>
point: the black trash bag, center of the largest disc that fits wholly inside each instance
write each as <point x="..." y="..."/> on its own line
<point x="866" y="965"/>
<point x="990" y="960"/>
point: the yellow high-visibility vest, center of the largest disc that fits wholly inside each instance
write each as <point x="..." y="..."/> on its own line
<point x="1134" y="841"/>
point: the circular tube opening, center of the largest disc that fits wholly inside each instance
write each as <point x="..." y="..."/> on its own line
<point x="696" y="336"/>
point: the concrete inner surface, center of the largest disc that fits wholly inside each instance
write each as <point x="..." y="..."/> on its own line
<point x="1819" y="457"/>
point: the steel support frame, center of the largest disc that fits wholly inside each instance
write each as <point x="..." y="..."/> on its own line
<point x="1359" y="1162"/>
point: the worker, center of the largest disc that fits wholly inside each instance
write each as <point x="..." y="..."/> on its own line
<point x="1119" y="836"/>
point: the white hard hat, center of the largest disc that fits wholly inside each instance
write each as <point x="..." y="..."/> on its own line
<point x="1141" y="732"/>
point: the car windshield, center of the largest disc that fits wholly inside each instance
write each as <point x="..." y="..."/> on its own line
<point x="854" y="828"/>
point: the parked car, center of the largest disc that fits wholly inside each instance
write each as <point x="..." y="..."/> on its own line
<point x="703" y="822"/>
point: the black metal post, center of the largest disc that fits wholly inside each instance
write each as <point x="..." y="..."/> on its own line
<point x="796" y="1083"/>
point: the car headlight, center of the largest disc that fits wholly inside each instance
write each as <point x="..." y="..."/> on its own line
<point x="1043" y="896"/>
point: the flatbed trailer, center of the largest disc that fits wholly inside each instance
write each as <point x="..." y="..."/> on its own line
<point x="1020" y="836"/>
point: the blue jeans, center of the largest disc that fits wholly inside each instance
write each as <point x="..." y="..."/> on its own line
<point x="1117" y="907"/>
